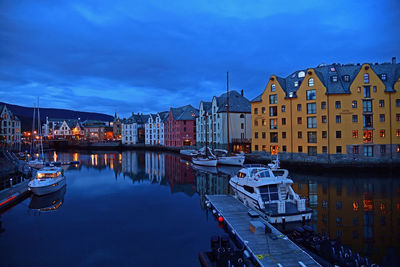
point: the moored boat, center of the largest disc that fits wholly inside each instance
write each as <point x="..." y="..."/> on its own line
<point x="205" y="161"/>
<point x="224" y="158"/>
<point x="269" y="191"/>
<point x="47" y="180"/>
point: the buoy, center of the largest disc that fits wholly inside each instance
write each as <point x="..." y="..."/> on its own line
<point x="220" y="219"/>
<point x="214" y="211"/>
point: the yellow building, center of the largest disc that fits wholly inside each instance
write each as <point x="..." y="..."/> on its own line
<point x="331" y="112"/>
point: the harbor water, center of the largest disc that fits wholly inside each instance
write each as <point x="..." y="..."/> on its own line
<point x="137" y="208"/>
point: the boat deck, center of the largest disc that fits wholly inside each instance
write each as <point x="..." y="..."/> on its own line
<point x="268" y="249"/>
<point x="290" y="208"/>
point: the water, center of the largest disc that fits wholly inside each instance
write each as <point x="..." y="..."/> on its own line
<point x="147" y="209"/>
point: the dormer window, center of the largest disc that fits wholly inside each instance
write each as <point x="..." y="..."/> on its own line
<point x="296" y="84"/>
<point x="272" y="87"/>
<point x="332" y="69"/>
<point x="311" y="82"/>
<point x="366" y="78"/>
<point x="346" y="78"/>
<point x="334" y="78"/>
<point x="383" y="76"/>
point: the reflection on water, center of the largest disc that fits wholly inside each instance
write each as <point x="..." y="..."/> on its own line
<point x="50" y="202"/>
<point x="363" y="212"/>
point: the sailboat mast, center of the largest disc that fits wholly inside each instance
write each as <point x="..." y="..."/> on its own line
<point x="33" y="127"/>
<point x="227" y="110"/>
<point x="206" y="130"/>
<point x="40" y="130"/>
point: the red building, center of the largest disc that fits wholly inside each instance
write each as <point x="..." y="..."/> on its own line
<point x="180" y="127"/>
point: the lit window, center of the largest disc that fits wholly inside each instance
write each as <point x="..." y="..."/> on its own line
<point x="272" y="87"/>
<point x="383" y="76"/>
<point x="311" y="82"/>
<point x="296" y="84"/>
<point x="397" y="117"/>
<point x="354" y="104"/>
<point x="368" y="136"/>
<point x="355" y="134"/>
<point x="397" y="132"/>
<point x="358" y="89"/>
<point x="382" y="133"/>
<point x="273" y="124"/>
<point x="334" y="78"/>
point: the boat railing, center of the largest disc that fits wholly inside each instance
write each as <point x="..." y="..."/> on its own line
<point x="254" y="166"/>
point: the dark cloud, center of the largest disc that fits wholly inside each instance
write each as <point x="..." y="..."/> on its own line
<point x="123" y="56"/>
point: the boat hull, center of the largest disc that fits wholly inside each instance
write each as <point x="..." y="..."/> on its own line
<point x="205" y="162"/>
<point x="233" y="160"/>
<point x="41" y="190"/>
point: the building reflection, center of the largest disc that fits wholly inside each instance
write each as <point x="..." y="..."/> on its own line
<point x="155" y="167"/>
<point x="179" y="175"/>
<point x="363" y="213"/>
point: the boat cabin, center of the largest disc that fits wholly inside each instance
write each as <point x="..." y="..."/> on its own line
<point x="49" y="172"/>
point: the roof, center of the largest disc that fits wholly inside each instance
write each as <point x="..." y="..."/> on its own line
<point x="257" y="98"/>
<point x="10" y="113"/>
<point x="187" y="112"/>
<point x="237" y="102"/>
<point x="326" y="72"/>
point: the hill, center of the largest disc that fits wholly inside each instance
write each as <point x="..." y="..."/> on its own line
<point x="25" y="115"/>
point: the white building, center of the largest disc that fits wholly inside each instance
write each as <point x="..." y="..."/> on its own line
<point x="63" y="128"/>
<point x="10" y="128"/>
<point x="216" y="122"/>
<point x="129" y="131"/>
<point x="154" y="128"/>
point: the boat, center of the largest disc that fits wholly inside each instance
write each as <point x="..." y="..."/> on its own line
<point x="49" y="202"/>
<point x="225" y="157"/>
<point x="270" y="192"/>
<point x="275" y="164"/>
<point x="207" y="159"/>
<point x="38" y="162"/>
<point x="189" y="152"/>
<point x="47" y="180"/>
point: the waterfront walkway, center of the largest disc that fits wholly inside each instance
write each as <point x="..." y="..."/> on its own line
<point x="268" y="249"/>
<point x="13" y="195"/>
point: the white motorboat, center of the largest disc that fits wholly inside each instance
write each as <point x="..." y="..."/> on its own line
<point x="205" y="161"/>
<point x="48" y="180"/>
<point x="269" y="191"/>
<point x="224" y="158"/>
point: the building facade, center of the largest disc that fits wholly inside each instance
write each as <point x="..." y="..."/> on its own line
<point x="180" y="127"/>
<point x="129" y="133"/>
<point x="331" y="112"/>
<point x="213" y="120"/>
<point x="10" y="128"/>
<point x="96" y="131"/>
<point x="117" y="128"/>
<point x="154" y="128"/>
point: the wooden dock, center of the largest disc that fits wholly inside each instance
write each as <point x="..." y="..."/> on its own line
<point x="13" y="195"/>
<point x="268" y="249"/>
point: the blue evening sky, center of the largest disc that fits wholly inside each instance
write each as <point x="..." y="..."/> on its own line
<point x="145" y="56"/>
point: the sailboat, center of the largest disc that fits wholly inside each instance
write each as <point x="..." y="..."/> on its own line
<point x="37" y="163"/>
<point x="225" y="156"/>
<point x="208" y="159"/>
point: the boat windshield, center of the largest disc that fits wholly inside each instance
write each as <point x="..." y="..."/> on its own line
<point x="263" y="174"/>
<point x="42" y="175"/>
<point x="269" y="192"/>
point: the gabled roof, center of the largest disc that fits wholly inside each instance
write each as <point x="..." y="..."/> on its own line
<point x="206" y="106"/>
<point x="184" y="113"/>
<point x="10" y="113"/>
<point x="237" y="102"/>
<point x="392" y="72"/>
<point x="257" y="98"/>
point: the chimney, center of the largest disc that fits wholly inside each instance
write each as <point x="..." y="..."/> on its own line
<point x="242" y="92"/>
<point x="393" y="60"/>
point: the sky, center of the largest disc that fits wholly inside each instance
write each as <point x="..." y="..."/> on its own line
<point x="147" y="56"/>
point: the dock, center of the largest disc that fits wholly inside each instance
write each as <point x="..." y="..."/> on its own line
<point x="267" y="247"/>
<point x="13" y="195"/>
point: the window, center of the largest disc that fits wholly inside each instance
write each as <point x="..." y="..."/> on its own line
<point x="346" y="78"/>
<point x="312" y="122"/>
<point x="323" y="119"/>
<point x="324" y="149"/>
<point x="311" y="95"/>
<point x="312" y="137"/>
<point x="374" y="89"/>
<point x="255" y="122"/>
<point x="296" y="84"/>
<point x="283" y="108"/>
<point x="382" y="133"/>
<point x="397" y="102"/>
<point x="311" y="82"/>
<point x="337" y="104"/>
<point x="354" y="104"/>
<point x="274" y="137"/>
<point x="311" y="108"/>
<point x="256" y="135"/>
<point x="272" y="87"/>
<point x="284" y="148"/>
<point x="263" y="110"/>
<point x="298" y="107"/>
<point x="368" y="151"/>
<point x="263" y="135"/>
<point x="338" y="150"/>
<point x="358" y="89"/>
<point x="273" y="111"/>
<point x="283" y="135"/>
<point x="338" y="119"/>
<point x="356" y="149"/>
<point x="255" y="110"/>
<point x="367" y="105"/>
<point x="323" y="105"/>
<point x="367" y="121"/>
<point x="273" y="124"/>
<point x="273" y="99"/>
<point x="299" y="120"/>
<point x="241" y="126"/>
<point x="397" y="148"/>
<point x="283" y="121"/>
<point x="366" y="78"/>
<point x="299" y="135"/>
<point x="312" y="150"/>
<point x="324" y="134"/>
<point x="397" y="117"/>
<point x="381" y="103"/>
<point x="367" y="91"/>
<point x="397" y="132"/>
<point x="381" y="117"/>
<point x="334" y="78"/>
<point x="256" y="147"/>
<point x="263" y="122"/>
<point x="355" y="134"/>
<point x="338" y="134"/>
<point x="383" y="76"/>
<point x="368" y="136"/>
<point x="300" y="149"/>
<point x="354" y="118"/>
